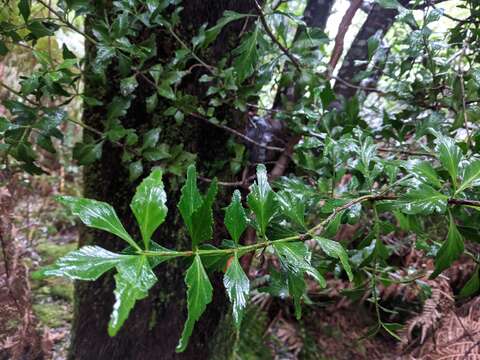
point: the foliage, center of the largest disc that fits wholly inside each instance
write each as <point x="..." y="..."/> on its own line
<point x="400" y="156"/>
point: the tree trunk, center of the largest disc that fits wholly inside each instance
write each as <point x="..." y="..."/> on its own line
<point x="155" y="324"/>
<point x="355" y="61"/>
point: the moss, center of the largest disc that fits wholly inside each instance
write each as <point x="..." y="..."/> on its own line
<point x="55" y="287"/>
<point x="52" y="315"/>
<point x="51" y="252"/>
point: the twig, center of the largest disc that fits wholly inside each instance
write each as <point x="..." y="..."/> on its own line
<point x="67" y="23"/>
<point x="358" y="87"/>
<point x="237" y="133"/>
<point x="406" y="152"/>
<point x="274" y="39"/>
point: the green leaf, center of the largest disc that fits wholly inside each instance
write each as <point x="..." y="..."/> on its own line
<point x="202" y="218"/>
<point x="135" y="170"/>
<point x="296" y="289"/>
<point x="24" y="7"/>
<point x="472" y="286"/>
<point x="212" y="33"/>
<point x="450" y="250"/>
<point x="148" y="205"/>
<point x="246" y="56"/>
<point x="238" y="287"/>
<point x="87" y="154"/>
<point x="150" y="139"/>
<point x="133" y="280"/>
<point x="295" y="257"/>
<point x="471" y="176"/>
<point x="235" y="218"/>
<point x="199" y="295"/>
<point x="423" y="200"/>
<point x="292" y="207"/>
<point x="98" y="215"/>
<point x="190" y="200"/>
<point x="128" y="85"/>
<point x="87" y="263"/>
<point x="450" y="156"/>
<point x="335" y="249"/>
<point x="425" y="172"/>
<point x="262" y="199"/>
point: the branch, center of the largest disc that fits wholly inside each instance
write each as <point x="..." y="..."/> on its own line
<point x="274" y="39"/>
<point x="342" y="30"/>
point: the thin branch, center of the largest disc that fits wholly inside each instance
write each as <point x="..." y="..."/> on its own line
<point x="67" y="23"/>
<point x="406" y="152"/>
<point x="273" y="37"/>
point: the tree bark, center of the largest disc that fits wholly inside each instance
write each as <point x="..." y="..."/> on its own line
<point x="379" y="19"/>
<point x="155" y="324"/>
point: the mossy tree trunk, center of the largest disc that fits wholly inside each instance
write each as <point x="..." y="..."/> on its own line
<point x="154" y="326"/>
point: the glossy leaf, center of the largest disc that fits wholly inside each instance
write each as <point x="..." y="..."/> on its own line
<point x="133" y="280"/>
<point x="450" y="250"/>
<point x="148" y="205"/>
<point x="292" y="207"/>
<point x="237" y="285"/>
<point x="295" y="257"/>
<point x="262" y="199"/>
<point x="423" y="200"/>
<point x="87" y="263"/>
<point x="471" y="176"/>
<point x="202" y="218"/>
<point x="190" y="199"/>
<point x="235" y="218"/>
<point x="335" y="249"/>
<point x="425" y="172"/>
<point x="450" y="156"/>
<point x="98" y="215"/>
<point x="199" y="295"/>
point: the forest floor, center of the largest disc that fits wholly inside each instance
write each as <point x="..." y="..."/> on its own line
<point x="36" y="314"/>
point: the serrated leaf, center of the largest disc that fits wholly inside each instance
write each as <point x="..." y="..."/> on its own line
<point x="423" y="200"/>
<point x="98" y="215"/>
<point x="87" y="263"/>
<point x="246" y="56"/>
<point x="148" y="205"/>
<point x="235" y="218"/>
<point x="199" y="295"/>
<point x="133" y="280"/>
<point x="450" y="250"/>
<point x="237" y="285"/>
<point x="190" y="200"/>
<point x="296" y="289"/>
<point x="292" y="207"/>
<point x="471" y="176"/>
<point x="335" y="249"/>
<point x="262" y="199"/>
<point x="450" y="156"/>
<point x="295" y="257"/>
<point x="202" y="218"/>
<point x="425" y="172"/>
